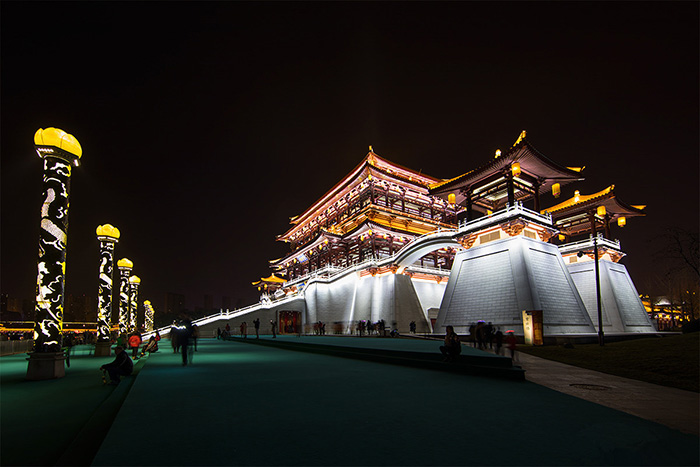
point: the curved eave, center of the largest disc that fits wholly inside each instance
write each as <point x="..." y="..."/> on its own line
<point x="607" y="198"/>
<point x="532" y="161"/>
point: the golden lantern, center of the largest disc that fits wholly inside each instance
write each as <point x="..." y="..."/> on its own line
<point x="498" y="153"/>
<point x="556" y="190"/>
<point x="577" y="196"/>
<point x="489" y="212"/>
<point x="601" y="211"/>
<point x="621" y="221"/>
<point x="515" y="169"/>
<point x="451" y="198"/>
<point x="562" y="237"/>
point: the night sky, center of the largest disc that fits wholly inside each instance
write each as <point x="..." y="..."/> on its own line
<point x="205" y="126"/>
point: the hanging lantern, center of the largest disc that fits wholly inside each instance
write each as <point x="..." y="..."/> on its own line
<point x="369" y="232"/>
<point x="621" y="221"/>
<point x="489" y="212"/>
<point x="451" y="198"/>
<point x="515" y="169"/>
<point x="556" y="190"/>
<point x="562" y="237"/>
<point x="577" y="196"/>
<point x="601" y="211"/>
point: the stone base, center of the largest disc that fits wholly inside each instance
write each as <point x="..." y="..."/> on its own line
<point x="103" y="349"/>
<point x="46" y="365"/>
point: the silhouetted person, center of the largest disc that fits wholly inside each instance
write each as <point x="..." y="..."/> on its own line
<point x="453" y="346"/>
<point x="499" y="341"/>
<point x="256" y="323"/>
<point x="273" y="325"/>
<point x="183" y="339"/>
<point x="511" y="343"/>
<point x="121" y="366"/>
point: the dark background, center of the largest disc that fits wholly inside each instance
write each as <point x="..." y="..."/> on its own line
<point x="205" y="126"/>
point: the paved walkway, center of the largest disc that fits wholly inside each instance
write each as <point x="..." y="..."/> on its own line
<point x="672" y="407"/>
<point x="242" y="404"/>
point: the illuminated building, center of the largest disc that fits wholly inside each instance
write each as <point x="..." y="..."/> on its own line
<point x="389" y="243"/>
<point x="60" y="152"/>
<point x="134" y="283"/>
<point x="125" y="266"/>
<point x="108" y="235"/>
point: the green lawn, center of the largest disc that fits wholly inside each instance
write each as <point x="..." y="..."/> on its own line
<point x="668" y="361"/>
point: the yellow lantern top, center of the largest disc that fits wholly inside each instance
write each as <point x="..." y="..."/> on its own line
<point x="108" y="232"/>
<point x="451" y="198"/>
<point x="135" y="279"/>
<point x="58" y="138"/>
<point x="125" y="263"/>
<point x="147" y="302"/>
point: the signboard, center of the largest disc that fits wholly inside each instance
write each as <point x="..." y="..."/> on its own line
<point x="532" y="325"/>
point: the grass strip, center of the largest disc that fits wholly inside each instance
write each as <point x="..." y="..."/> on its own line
<point x="672" y="361"/>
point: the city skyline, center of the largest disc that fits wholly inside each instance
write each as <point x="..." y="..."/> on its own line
<point x="200" y="145"/>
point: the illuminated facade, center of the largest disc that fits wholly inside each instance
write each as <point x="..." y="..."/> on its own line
<point x="390" y="244"/>
<point x="125" y="266"/>
<point x="60" y="152"/>
<point x="108" y="236"/>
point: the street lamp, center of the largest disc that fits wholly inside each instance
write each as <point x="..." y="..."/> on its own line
<point x="60" y="152"/>
<point x="601" y="339"/>
<point x="108" y="235"/>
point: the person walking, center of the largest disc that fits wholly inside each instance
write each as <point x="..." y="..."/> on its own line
<point x="256" y="323"/>
<point x="511" y="342"/>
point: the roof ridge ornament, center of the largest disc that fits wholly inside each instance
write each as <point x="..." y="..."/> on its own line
<point x="523" y="135"/>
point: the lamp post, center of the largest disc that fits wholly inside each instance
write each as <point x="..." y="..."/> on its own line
<point x="125" y="266"/>
<point x="134" y="282"/>
<point x="108" y="235"/>
<point x="601" y="337"/>
<point x="148" y="317"/>
<point x="60" y="152"/>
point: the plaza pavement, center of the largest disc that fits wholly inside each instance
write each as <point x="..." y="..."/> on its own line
<point x="243" y="404"/>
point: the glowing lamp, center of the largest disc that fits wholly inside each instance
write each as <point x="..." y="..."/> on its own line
<point x="135" y="279"/>
<point x="621" y="221"/>
<point x="125" y="263"/>
<point x="147" y="302"/>
<point x="369" y="232"/>
<point x="577" y="196"/>
<point x="498" y="153"/>
<point x="515" y="169"/>
<point x="57" y="138"/>
<point x="108" y="233"/>
<point x="556" y="190"/>
<point x="320" y="247"/>
<point x="601" y="211"/>
<point x="489" y="212"/>
<point x="562" y="237"/>
<point x="451" y="198"/>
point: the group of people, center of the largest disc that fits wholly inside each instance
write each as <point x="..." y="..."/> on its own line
<point x="183" y="336"/>
<point x="452" y="345"/>
<point x="243" y="328"/>
<point x="369" y="327"/>
<point x="320" y="328"/>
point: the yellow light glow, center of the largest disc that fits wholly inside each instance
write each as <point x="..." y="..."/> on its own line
<point x="515" y="169"/>
<point x="601" y="211"/>
<point x="369" y="231"/>
<point x="498" y="153"/>
<point x="562" y="237"/>
<point x="135" y="279"/>
<point x="125" y="263"/>
<point x="451" y="198"/>
<point x="108" y="230"/>
<point x="58" y="138"/>
<point x="522" y="136"/>
<point x="577" y="196"/>
<point x="556" y="190"/>
<point x="489" y="212"/>
<point x="147" y="302"/>
<point x="621" y="221"/>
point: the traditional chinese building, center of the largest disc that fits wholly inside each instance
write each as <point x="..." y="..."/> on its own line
<point x="392" y="244"/>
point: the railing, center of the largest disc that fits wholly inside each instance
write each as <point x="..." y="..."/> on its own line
<point x="503" y="215"/>
<point x="16" y="346"/>
<point x="588" y="243"/>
